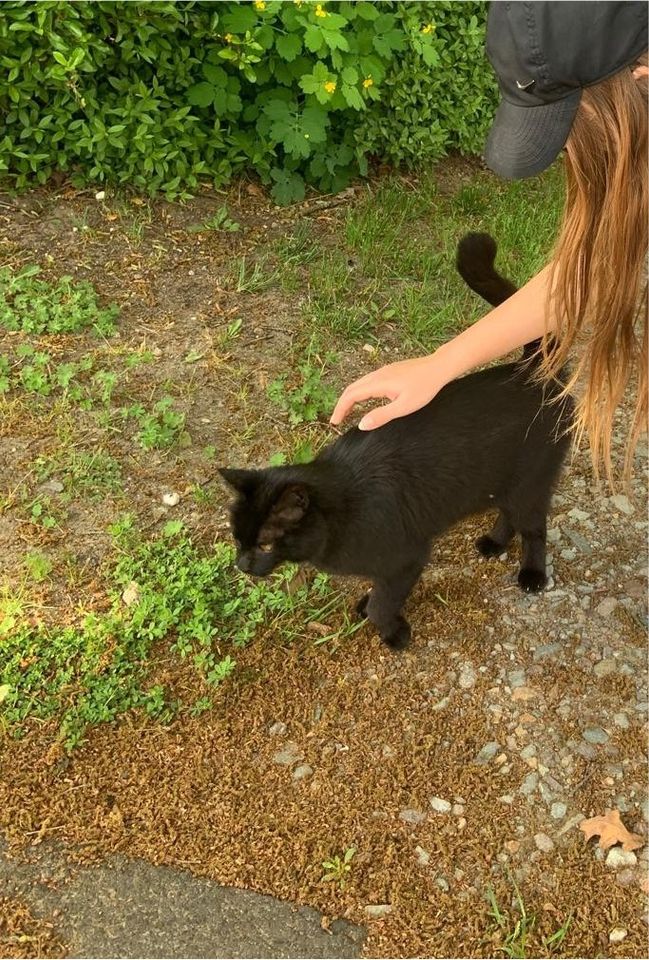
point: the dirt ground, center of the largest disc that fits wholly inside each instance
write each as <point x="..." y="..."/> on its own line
<point x="458" y="771"/>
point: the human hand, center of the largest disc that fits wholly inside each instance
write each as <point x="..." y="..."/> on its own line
<point x="408" y="384"/>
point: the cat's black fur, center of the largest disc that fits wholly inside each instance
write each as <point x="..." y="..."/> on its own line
<point x="371" y="503"/>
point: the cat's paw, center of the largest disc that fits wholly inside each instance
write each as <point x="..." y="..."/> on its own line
<point x="361" y="606"/>
<point x="399" y="638"/>
<point x="530" y="580"/>
<point x="488" y="547"/>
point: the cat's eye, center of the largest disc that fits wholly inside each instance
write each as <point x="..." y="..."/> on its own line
<point x="265" y="547"/>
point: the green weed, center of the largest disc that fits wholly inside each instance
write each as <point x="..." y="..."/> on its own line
<point x="220" y="221"/>
<point x="310" y="398"/>
<point x="161" y="427"/>
<point x="337" y="869"/>
<point x="31" y="305"/>
<point x="516" y="929"/>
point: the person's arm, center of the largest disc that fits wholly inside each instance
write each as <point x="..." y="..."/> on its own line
<point x="409" y="384"/>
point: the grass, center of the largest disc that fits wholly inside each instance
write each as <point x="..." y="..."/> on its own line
<point x="515" y="929"/>
<point x="164" y="590"/>
<point x="31" y="305"/>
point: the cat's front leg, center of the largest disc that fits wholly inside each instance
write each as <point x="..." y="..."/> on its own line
<point x="385" y="602"/>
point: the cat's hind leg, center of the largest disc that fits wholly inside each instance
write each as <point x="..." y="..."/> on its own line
<point x="531" y="576"/>
<point x="493" y="543"/>
<point x="385" y="602"/>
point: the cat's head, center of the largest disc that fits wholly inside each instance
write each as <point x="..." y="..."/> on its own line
<point x="273" y="518"/>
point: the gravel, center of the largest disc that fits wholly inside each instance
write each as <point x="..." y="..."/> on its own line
<point x="439" y="805"/>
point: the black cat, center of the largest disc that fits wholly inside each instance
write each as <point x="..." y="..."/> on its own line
<point x="371" y="503"/>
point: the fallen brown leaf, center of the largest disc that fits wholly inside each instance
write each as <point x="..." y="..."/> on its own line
<point x="611" y="830"/>
<point x="131" y="594"/>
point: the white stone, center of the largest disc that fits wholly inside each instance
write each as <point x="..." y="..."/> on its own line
<point x="618" y="858"/>
<point x="171" y="499"/>
<point x="617" y="935"/>
<point x="439" y="805"/>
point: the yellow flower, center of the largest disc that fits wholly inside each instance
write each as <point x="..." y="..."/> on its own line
<point x="330" y="86"/>
<point x="298" y="3"/>
<point x="428" y="28"/>
<point x="228" y="38"/>
<point x="368" y="82"/>
<point x="260" y="5"/>
<point x="320" y="11"/>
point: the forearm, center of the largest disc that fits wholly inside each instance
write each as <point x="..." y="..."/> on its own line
<point x="515" y="322"/>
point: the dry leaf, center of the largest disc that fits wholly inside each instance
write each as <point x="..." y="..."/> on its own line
<point x="320" y="628"/>
<point x="611" y="830"/>
<point x="132" y="594"/>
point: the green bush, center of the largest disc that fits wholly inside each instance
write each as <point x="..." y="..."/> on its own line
<point x="158" y="95"/>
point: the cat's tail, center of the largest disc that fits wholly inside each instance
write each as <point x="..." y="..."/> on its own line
<point x="476" y="255"/>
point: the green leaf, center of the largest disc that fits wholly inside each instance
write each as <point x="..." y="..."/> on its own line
<point x="289" y="46"/>
<point x="243" y="17"/>
<point x="288" y="188"/>
<point x="353" y="97"/>
<point x="314" y="123"/>
<point x="215" y="75"/>
<point x="335" y="40"/>
<point x="201" y="94"/>
<point x="313" y="38"/>
<point x="349" y="75"/>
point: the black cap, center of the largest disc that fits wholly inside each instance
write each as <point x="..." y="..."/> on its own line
<point x="544" y="54"/>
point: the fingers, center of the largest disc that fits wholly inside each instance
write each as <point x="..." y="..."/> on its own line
<point x="382" y="415"/>
<point x="355" y="393"/>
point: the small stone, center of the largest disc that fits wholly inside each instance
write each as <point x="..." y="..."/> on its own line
<point x="626" y="877"/>
<point x="622" y="503"/>
<point x="606" y="607"/>
<point x="605" y="667"/>
<point x="423" y="856"/>
<point x="513" y="846"/>
<point x="524" y="694"/>
<point x="461" y="823"/>
<point x="369" y="348"/>
<point x="378" y="910"/>
<point x="576" y="514"/>
<point x="171" y="499"/>
<point x="506" y="798"/>
<point x="443" y="884"/>
<point x="617" y="935"/>
<point x="100" y="195"/>
<point x="458" y="809"/>
<point x="558" y="810"/>
<point x="546" y="650"/>
<point x="621" y="720"/>
<point x="278" y="729"/>
<point x="543" y="842"/>
<point x="617" y="858"/>
<point x="52" y="486"/>
<point x="529" y="784"/>
<point x="487" y="753"/>
<point x="595" y="735"/>
<point x="288" y="755"/>
<point x="439" y="805"/>
<point x="553" y="535"/>
<point x="467" y="676"/>
<point x="568" y="554"/>
<point x="516" y="678"/>
<point x="302" y="772"/>
<point x="410" y="815"/>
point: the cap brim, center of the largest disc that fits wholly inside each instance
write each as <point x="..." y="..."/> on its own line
<point x="523" y="141"/>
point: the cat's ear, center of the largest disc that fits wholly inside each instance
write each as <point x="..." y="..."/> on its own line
<point x="243" y="481"/>
<point x="287" y="511"/>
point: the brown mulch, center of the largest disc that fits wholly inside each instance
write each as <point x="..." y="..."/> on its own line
<point x="22" y="935"/>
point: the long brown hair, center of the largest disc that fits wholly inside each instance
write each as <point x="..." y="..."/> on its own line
<point x="598" y="276"/>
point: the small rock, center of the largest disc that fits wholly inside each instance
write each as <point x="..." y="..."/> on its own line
<point x="622" y="503"/>
<point x="553" y="535"/>
<point x="516" y="678"/>
<point x="617" y="858"/>
<point x="369" y="348"/>
<point x="410" y="815"/>
<point x="572" y="822"/>
<point x="458" y="810"/>
<point x="439" y="805"/>
<point x="461" y="823"/>
<point x="506" y="798"/>
<point x="52" y="486"/>
<point x="487" y="753"/>
<point x="423" y="856"/>
<point x="278" y="729"/>
<point x="617" y="935"/>
<point x="576" y="514"/>
<point x="467" y="676"/>
<point x="595" y="735"/>
<point x="524" y="694"/>
<point x="580" y="542"/>
<point x="606" y="607"/>
<point x="100" y="195"/>
<point x="529" y="784"/>
<point x="288" y="755"/>
<point x="302" y="772"/>
<point x="568" y="554"/>
<point x="626" y="877"/>
<point x="543" y="842"/>
<point x="171" y="499"/>
<point x="605" y="667"/>
<point x="558" y="811"/>
<point x="378" y="910"/>
<point x="443" y="884"/>
<point x="546" y="650"/>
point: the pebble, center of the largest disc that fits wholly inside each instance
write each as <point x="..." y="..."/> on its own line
<point x="302" y="772"/>
<point x="568" y="554"/>
<point x="409" y="815"/>
<point x="617" y="935"/>
<point x="516" y="678"/>
<point x="439" y="805"/>
<point x="622" y="503"/>
<point x="606" y="607"/>
<point x="423" y="856"/>
<point x="288" y="755"/>
<point x="543" y="842"/>
<point x="443" y="884"/>
<point x="546" y="650"/>
<point x="626" y="877"/>
<point x="378" y="910"/>
<point x="278" y="729"/>
<point x="529" y="784"/>
<point x="580" y="542"/>
<point x="595" y="735"/>
<point x="100" y="195"/>
<point x="467" y="676"/>
<point x="558" y="810"/>
<point x="605" y="667"/>
<point x="576" y="514"/>
<point x="487" y="753"/>
<point x="52" y="486"/>
<point x="617" y="858"/>
<point x="171" y="499"/>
